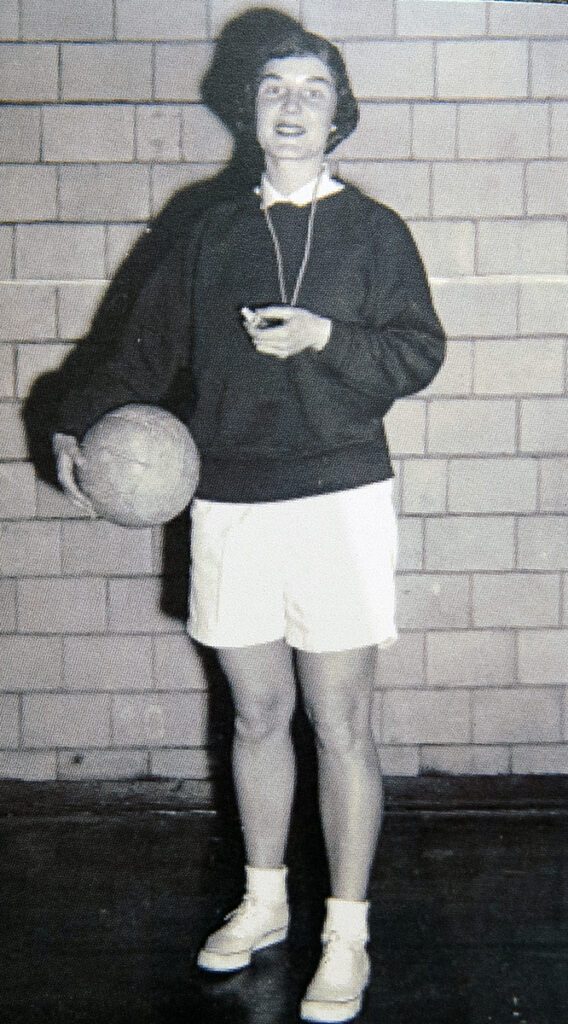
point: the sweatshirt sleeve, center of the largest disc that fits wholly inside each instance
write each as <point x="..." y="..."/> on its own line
<point x="152" y="347"/>
<point x="400" y="345"/>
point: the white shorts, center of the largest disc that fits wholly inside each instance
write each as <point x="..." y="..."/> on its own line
<point x="316" y="571"/>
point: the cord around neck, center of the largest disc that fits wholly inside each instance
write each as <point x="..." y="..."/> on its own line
<point x="307" y="248"/>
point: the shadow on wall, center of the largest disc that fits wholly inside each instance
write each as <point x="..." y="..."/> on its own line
<point x="222" y="89"/>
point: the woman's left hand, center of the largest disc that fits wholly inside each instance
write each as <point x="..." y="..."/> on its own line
<point x="297" y="330"/>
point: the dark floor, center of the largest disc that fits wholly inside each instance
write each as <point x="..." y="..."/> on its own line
<point x="101" y="915"/>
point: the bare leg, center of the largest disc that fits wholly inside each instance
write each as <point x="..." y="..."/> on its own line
<point x="337" y="690"/>
<point x="261" y="679"/>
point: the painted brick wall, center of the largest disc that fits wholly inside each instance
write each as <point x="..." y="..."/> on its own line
<point x="465" y="132"/>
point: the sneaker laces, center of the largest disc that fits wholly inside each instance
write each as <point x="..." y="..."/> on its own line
<point x="333" y="956"/>
<point x="242" y="915"/>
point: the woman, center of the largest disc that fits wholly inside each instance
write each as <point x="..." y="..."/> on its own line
<point x="304" y="312"/>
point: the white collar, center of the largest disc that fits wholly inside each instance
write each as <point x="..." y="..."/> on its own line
<point x="301" y="196"/>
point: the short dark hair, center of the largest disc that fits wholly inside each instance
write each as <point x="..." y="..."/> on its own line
<point x="245" y="46"/>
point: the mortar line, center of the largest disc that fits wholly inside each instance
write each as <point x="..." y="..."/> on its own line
<point x="476" y="232"/>
<point x="41" y="133"/>
<point x="60" y="72"/>
<point x="471" y="713"/>
<point x="549" y="107"/>
<point x="112" y="713"/>
<point x="13" y="258"/>
<point x="153" y="664"/>
<point x="153" y="60"/>
<point x="136" y="126"/>
<point x="20" y="722"/>
<point x="57" y="313"/>
<point x="57" y="218"/>
<point x="151" y="189"/>
<point x="427" y="406"/>
<point x="106" y="249"/>
<point x="517" y="657"/>
<point x="181" y="129"/>
<point x="518" y="426"/>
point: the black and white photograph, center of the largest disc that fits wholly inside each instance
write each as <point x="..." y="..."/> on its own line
<point x="283" y="496"/>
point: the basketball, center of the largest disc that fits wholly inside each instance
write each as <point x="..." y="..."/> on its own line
<point x="140" y="466"/>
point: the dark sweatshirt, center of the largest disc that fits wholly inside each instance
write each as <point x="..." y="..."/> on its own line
<point x="269" y="429"/>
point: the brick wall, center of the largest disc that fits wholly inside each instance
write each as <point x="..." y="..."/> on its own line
<point x="465" y="132"/>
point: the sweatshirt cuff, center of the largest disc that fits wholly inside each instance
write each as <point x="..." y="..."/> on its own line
<point x="337" y="348"/>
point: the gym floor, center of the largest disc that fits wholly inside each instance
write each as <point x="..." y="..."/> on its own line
<point x="103" y="910"/>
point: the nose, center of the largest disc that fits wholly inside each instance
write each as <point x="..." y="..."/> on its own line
<point x="292" y="101"/>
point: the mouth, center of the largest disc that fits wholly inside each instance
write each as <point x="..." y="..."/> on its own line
<point x="290" y="131"/>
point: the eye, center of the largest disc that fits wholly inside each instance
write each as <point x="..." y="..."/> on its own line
<point x="315" y="94"/>
<point x="270" y="88"/>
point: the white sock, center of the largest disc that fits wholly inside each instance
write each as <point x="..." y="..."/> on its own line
<point x="348" y="918"/>
<point x="267" y="884"/>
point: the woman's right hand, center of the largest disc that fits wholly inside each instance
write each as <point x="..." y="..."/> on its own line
<point x="67" y="456"/>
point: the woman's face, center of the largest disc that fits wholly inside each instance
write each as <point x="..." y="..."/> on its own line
<point x="295" y="105"/>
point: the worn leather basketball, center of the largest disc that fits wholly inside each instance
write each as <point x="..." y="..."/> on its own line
<point x="140" y="466"/>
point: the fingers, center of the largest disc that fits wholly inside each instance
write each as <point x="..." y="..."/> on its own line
<point x="264" y="317"/>
<point x="274" y="341"/>
<point x="68" y="456"/>
<point x="270" y="335"/>
<point x="276" y="312"/>
<point x="66" y="476"/>
<point x="286" y="338"/>
<point x="278" y="353"/>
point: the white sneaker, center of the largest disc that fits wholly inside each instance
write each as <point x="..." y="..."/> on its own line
<point x="254" y="925"/>
<point x="336" y="990"/>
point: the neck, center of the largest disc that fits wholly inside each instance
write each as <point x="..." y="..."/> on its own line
<point x="288" y="175"/>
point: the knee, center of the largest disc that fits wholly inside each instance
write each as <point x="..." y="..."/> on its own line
<point x="257" y="720"/>
<point x="343" y="728"/>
